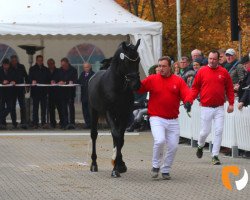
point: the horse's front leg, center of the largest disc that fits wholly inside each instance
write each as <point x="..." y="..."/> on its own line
<point x="117" y="144"/>
<point x="121" y="166"/>
<point x="94" y="133"/>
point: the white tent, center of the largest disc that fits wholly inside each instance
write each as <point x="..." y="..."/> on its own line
<point x="80" y="17"/>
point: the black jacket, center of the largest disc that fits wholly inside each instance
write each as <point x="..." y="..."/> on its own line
<point x="67" y="76"/>
<point x="84" y="82"/>
<point x="21" y="75"/>
<point x="246" y="95"/>
<point x="41" y="75"/>
<point x="53" y="76"/>
<point x="10" y="75"/>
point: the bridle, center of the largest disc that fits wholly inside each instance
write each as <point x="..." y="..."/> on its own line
<point x="130" y="76"/>
<point x="122" y="56"/>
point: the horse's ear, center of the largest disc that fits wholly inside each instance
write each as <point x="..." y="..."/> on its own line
<point x="124" y="46"/>
<point x="137" y="44"/>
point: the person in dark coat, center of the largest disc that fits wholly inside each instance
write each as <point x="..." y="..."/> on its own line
<point x="19" y="92"/>
<point x="83" y="81"/>
<point x="67" y="75"/>
<point x="53" y="98"/>
<point x="245" y="99"/>
<point x="39" y="74"/>
<point x="7" y="76"/>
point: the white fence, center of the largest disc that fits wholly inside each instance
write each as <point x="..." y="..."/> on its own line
<point x="236" y="126"/>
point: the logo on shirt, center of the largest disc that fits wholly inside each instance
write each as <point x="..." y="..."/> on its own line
<point x="175" y="87"/>
<point x="220" y="76"/>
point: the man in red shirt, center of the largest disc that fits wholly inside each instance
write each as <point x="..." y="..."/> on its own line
<point x="166" y="90"/>
<point x="213" y="83"/>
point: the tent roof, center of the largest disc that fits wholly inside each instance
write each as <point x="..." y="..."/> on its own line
<point x="43" y="17"/>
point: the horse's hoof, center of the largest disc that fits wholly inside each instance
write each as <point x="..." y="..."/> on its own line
<point x="122" y="168"/>
<point x="115" y="174"/>
<point x="94" y="168"/>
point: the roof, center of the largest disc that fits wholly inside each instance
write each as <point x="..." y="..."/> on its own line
<point x="52" y="17"/>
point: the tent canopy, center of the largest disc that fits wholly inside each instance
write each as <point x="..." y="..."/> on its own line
<point x="81" y="17"/>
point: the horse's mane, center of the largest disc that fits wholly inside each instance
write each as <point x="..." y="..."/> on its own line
<point x="106" y="63"/>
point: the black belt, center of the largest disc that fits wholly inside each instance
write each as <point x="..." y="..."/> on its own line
<point x="212" y="106"/>
<point x="171" y="118"/>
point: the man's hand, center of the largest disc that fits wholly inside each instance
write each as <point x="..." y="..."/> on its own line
<point x="5" y="82"/>
<point x="240" y="105"/>
<point x="230" y="108"/>
<point x="188" y="106"/>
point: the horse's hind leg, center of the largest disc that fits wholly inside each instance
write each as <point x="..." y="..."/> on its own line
<point x="94" y="133"/>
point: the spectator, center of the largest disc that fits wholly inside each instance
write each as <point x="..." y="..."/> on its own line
<point x="53" y="95"/>
<point x="184" y="63"/>
<point x="141" y="103"/>
<point x="39" y="74"/>
<point x="19" y="92"/>
<point x="223" y="58"/>
<point x="176" y="68"/>
<point x="7" y="76"/>
<point x="196" y="53"/>
<point x="83" y="81"/>
<point x="245" y="99"/>
<point x="67" y="75"/>
<point x="236" y="70"/>
<point x="190" y="75"/>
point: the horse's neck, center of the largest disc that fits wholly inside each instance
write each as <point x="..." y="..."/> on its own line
<point x="115" y="77"/>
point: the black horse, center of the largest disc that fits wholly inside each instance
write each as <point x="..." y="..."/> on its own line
<point x="111" y="93"/>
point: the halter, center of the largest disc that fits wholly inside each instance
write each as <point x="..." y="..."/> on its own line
<point x="129" y="77"/>
<point x="122" y="56"/>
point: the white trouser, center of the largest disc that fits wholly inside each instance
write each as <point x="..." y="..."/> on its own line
<point x="164" y="131"/>
<point x="207" y="116"/>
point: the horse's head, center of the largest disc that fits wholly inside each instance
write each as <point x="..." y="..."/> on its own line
<point x="128" y="64"/>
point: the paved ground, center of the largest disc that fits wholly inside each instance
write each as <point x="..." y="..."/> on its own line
<point x="56" y="167"/>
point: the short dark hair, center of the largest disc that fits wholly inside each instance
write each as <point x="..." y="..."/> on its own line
<point x="214" y="51"/>
<point x="167" y="58"/>
<point x="6" y="61"/>
<point x="13" y="57"/>
<point x="52" y="60"/>
<point x="65" y="60"/>
<point x="39" y="56"/>
<point x="185" y="58"/>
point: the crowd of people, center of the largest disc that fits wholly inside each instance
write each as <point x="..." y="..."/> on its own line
<point x="187" y="68"/>
<point x="15" y="82"/>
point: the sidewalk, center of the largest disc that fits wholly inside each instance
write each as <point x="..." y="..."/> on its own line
<point x="57" y="167"/>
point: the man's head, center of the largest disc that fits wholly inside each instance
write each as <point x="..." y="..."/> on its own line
<point x="6" y="63"/>
<point x="184" y="62"/>
<point x="196" y="53"/>
<point x="230" y="55"/>
<point x="51" y="64"/>
<point x="39" y="60"/>
<point x="86" y="67"/>
<point x="65" y="63"/>
<point x="213" y="59"/>
<point x="164" y="65"/>
<point x="14" y="60"/>
<point x="222" y="58"/>
<point x="246" y="61"/>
